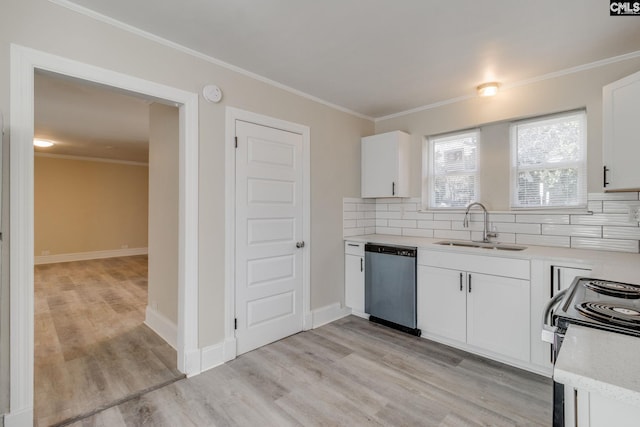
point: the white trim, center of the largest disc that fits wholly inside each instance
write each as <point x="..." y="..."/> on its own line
<point x="329" y="313"/>
<point x="165" y="328"/>
<point x="83" y="256"/>
<point x="24" y="62"/>
<point x="233" y="114"/>
<point x="213" y="356"/>
<point x="149" y="36"/>
<point x="89" y="159"/>
<point x="22" y="418"/>
<point x="548" y="76"/>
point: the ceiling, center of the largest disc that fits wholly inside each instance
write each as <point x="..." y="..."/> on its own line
<point x="382" y="57"/>
<point x="88" y="120"/>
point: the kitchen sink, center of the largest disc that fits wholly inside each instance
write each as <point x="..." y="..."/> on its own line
<point x="496" y="246"/>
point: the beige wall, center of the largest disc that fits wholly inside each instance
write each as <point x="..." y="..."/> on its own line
<point x="335" y="137"/>
<point x="577" y="90"/>
<point x="163" y="210"/>
<point x="86" y="206"/>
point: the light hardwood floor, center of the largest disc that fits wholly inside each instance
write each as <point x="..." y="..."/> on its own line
<point x="91" y="346"/>
<point x="347" y="373"/>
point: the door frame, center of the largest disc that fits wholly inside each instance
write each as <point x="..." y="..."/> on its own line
<point x="24" y="62"/>
<point x="233" y="114"/>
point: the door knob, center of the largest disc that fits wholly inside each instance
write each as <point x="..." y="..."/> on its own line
<point x="300" y="245"/>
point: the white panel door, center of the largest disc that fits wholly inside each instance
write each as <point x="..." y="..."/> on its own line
<point x="269" y="212"/>
<point x="354" y="284"/>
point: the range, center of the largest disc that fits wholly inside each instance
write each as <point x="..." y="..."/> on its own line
<point x="601" y="304"/>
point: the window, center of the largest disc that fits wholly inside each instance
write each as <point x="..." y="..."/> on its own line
<point x="549" y="161"/>
<point x="453" y="169"/>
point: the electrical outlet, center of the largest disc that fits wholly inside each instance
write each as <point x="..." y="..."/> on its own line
<point x="634" y="213"/>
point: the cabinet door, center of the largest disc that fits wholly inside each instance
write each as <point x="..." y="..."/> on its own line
<point x="562" y="277"/>
<point x="354" y="283"/>
<point x="621" y="133"/>
<point x="442" y="306"/>
<point x="385" y="165"/>
<point x="498" y="314"/>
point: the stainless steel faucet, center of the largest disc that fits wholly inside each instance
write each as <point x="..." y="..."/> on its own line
<point x="485" y="233"/>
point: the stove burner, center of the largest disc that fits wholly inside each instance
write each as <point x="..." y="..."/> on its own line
<point x="614" y="289"/>
<point x="614" y="314"/>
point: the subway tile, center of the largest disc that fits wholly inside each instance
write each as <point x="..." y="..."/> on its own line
<point x="416" y="232"/>
<point x="613" y="196"/>
<point x="619" y="207"/>
<point x="632" y="233"/>
<point x="370" y="215"/>
<point x="440" y="225"/>
<point x="388" y="200"/>
<point x="350" y="223"/>
<point x="449" y="216"/>
<point x="543" y="218"/>
<point x="388" y="215"/>
<point x="473" y="226"/>
<point x="348" y="232"/>
<point x="403" y="207"/>
<point x="501" y="238"/>
<point x="366" y="207"/>
<point x="595" y="206"/>
<point x="353" y="215"/>
<point x="502" y="217"/>
<point x="416" y="200"/>
<point x="381" y="207"/>
<point x="417" y="215"/>
<point x="512" y="227"/>
<point x="389" y="230"/>
<point x="605" y="244"/>
<point x="452" y="234"/>
<point x="349" y="207"/>
<point x="540" y="240"/>
<point x="366" y="223"/>
<point x="369" y="230"/>
<point x="572" y="230"/>
<point x="408" y="223"/>
<point x="602" y="219"/>
<point x="382" y="222"/>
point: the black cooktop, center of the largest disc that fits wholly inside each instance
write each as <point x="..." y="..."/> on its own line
<point x="602" y="304"/>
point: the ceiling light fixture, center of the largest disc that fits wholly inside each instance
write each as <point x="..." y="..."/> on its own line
<point x="488" y="89"/>
<point x="42" y="143"/>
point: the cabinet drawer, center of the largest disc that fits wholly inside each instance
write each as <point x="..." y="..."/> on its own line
<point x="507" y="267"/>
<point x="354" y="248"/>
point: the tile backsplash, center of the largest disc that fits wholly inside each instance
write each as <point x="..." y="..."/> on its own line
<point x="608" y="226"/>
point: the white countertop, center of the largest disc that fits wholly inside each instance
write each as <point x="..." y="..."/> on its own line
<point x="620" y="266"/>
<point x="601" y="362"/>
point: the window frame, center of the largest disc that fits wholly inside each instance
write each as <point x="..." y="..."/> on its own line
<point x="428" y="196"/>
<point x="580" y="164"/>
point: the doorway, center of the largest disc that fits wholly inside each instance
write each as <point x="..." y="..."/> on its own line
<point x="24" y="63"/>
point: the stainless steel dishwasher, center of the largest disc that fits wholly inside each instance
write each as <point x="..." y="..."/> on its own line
<point x="390" y="286"/>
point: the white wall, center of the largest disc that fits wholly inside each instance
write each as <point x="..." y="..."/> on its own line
<point x="577" y="90"/>
<point x="163" y="210"/>
<point x="335" y="140"/>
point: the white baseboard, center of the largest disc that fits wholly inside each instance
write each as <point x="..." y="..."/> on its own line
<point x="329" y="313"/>
<point x="212" y="356"/>
<point x="165" y="328"/>
<point x="230" y="349"/>
<point x="83" y="256"/>
<point x="22" y="418"/>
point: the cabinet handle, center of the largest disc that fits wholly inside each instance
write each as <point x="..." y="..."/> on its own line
<point x="558" y="277"/>
<point x="353" y="244"/>
<point x="393" y="188"/>
<point x="361" y="264"/>
<point x="469" y="283"/>
<point x="605" y="170"/>
<point x="460" y="282"/>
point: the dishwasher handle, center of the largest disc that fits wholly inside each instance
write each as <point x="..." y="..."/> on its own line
<point x="548" y="330"/>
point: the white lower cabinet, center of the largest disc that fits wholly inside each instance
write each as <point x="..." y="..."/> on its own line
<point x="486" y="312"/>
<point x="588" y="409"/>
<point x="354" y="277"/>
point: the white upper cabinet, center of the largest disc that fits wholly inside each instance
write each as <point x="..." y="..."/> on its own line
<point x="385" y="165"/>
<point x="621" y="134"/>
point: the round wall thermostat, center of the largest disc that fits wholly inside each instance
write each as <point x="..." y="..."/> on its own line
<point x="212" y="93"/>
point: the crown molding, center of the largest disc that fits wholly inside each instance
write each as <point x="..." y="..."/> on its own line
<point x="89" y="159"/>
